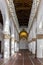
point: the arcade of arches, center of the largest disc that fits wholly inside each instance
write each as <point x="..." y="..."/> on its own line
<point x="21" y="32"/>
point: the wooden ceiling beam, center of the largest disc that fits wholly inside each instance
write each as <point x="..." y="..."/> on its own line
<point x="23" y="4"/>
<point x="23" y="1"/>
<point x="23" y="8"/>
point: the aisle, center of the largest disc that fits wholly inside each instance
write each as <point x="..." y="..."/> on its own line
<point x="23" y="58"/>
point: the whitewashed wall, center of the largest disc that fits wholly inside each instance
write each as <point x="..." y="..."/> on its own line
<point x="23" y="44"/>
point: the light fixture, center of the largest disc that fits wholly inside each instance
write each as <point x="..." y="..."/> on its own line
<point x="23" y="34"/>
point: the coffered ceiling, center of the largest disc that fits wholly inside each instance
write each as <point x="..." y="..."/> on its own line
<point x="23" y="9"/>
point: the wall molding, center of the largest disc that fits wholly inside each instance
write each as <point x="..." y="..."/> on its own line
<point x="6" y="36"/>
<point x="39" y="36"/>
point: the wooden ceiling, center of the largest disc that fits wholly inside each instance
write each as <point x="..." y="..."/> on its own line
<point x="23" y="9"/>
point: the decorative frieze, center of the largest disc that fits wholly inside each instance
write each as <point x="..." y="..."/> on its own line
<point x="6" y="36"/>
<point x="39" y="36"/>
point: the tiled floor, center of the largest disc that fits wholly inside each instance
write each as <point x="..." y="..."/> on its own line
<point x="23" y="58"/>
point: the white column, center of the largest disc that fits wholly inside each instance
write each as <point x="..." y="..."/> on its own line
<point x="40" y="48"/>
<point x="6" y="39"/>
<point x="6" y="30"/>
<point x="16" y="41"/>
<point x="34" y="37"/>
<point x="33" y="47"/>
<point x="16" y="46"/>
<point x="12" y="45"/>
<point x="30" y="47"/>
<point x="12" y="36"/>
<point x="40" y="31"/>
<point x="30" y="41"/>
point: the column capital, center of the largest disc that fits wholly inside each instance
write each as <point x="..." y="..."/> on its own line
<point x="6" y="36"/>
<point x="34" y="39"/>
<point x="12" y="38"/>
